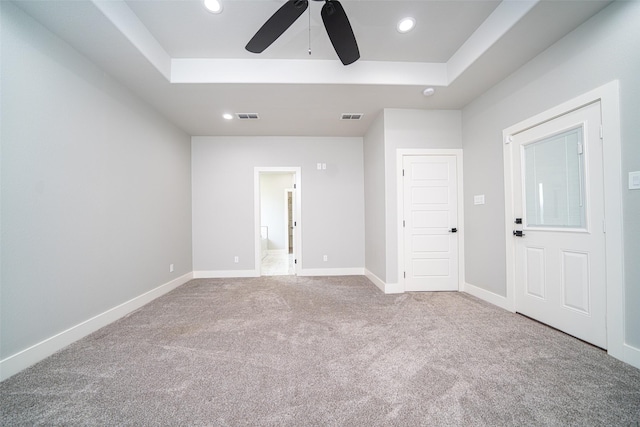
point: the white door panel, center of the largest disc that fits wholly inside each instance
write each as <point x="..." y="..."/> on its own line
<point x="430" y="212"/>
<point x="535" y="272"/>
<point x="558" y="194"/>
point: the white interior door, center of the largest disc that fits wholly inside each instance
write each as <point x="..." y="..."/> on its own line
<point x="430" y="204"/>
<point x="560" y="241"/>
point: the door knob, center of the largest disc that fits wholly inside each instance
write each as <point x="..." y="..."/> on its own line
<point x="453" y="230"/>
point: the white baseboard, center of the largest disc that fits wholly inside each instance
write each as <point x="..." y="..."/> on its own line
<point x="332" y="272"/>
<point x="375" y="280"/>
<point x="216" y="274"/>
<point x="631" y="355"/>
<point x="394" y="288"/>
<point x="387" y="288"/>
<point x="222" y="274"/>
<point x="37" y="352"/>
<point x="488" y="296"/>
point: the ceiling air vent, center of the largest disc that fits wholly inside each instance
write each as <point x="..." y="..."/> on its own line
<point x="247" y="116"/>
<point x="351" y="116"/>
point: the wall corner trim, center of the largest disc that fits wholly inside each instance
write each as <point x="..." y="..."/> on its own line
<point x="37" y="352"/>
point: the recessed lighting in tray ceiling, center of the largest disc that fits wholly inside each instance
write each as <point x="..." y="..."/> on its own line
<point x="405" y="25"/>
<point x="213" y="6"/>
<point x="227" y="116"/>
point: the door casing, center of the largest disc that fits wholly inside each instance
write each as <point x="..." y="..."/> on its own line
<point x="400" y="154"/>
<point x="608" y="95"/>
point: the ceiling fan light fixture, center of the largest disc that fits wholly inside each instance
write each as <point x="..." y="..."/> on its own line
<point x="213" y="6"/>
<point x="405" y="25"/>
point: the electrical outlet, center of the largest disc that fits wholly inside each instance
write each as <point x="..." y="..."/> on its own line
<point x="325" y="258"/>
<point x="170" y="268"/>
<point x="236" y="259"/>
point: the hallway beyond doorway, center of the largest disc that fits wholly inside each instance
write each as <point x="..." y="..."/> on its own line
<point x="278" y="264"/>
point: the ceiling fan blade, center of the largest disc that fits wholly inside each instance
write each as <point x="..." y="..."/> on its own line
<point x="340" y="31"/>
<point x="276" y="25"/>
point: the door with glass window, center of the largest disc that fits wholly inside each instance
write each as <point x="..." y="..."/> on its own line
<point x="559" y="224"/>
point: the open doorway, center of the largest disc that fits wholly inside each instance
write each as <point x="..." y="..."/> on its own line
<point x="289" y="219"/>
<point x="277" y="217"/>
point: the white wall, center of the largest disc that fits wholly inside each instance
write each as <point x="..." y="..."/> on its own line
<point x="332" y="214"/>
<point x="273" y="212"/>
<point x="603" y="49"/>
<point x="95" y="190"/>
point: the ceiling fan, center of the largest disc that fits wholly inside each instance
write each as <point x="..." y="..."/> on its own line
<point x="335" y="22"/>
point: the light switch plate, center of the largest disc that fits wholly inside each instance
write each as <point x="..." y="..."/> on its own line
<point x="634" y="180"/>
<point x="478" y="200"/>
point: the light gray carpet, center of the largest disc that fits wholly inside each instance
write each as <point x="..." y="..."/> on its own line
<point x="322" y="351"/>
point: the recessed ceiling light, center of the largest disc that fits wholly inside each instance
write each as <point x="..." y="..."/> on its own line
<point x="405" y="25"/>
<point x="227" y="116"/>
<point x="213" y="6"/>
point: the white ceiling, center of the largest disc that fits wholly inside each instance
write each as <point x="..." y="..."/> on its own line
<point x="192" y="67"/>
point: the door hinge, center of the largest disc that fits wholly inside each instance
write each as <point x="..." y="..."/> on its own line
<point x="295" y="223"/>
<point x="601" y="132"/>
<point x="402" y="172"/>
<point x="294" y="186"/>
<point x="295" y="261"/>
<point x="403" y="224"/>
<point x="604" y="226"/>
<point x="405" y="274"/>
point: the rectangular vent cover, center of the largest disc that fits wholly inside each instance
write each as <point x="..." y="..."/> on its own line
<point x="247" y="116"/>
<point x="351" y="116"/>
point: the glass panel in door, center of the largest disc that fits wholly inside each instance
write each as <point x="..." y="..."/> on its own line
<point x="554" y="181"/>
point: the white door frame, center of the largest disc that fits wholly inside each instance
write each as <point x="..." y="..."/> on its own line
<point x="297" y="232"/>
<point x="400" y="154"/>
<point x="608" y="95"/>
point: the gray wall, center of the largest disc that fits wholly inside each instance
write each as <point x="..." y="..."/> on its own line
<point x="374" y="196"/>
<point x="432" y="129"/>
<point x="332" y="217"/>
<point x="95" y="189"/>
<point x="601" y="50"/>
<point x="397" y="129"/>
